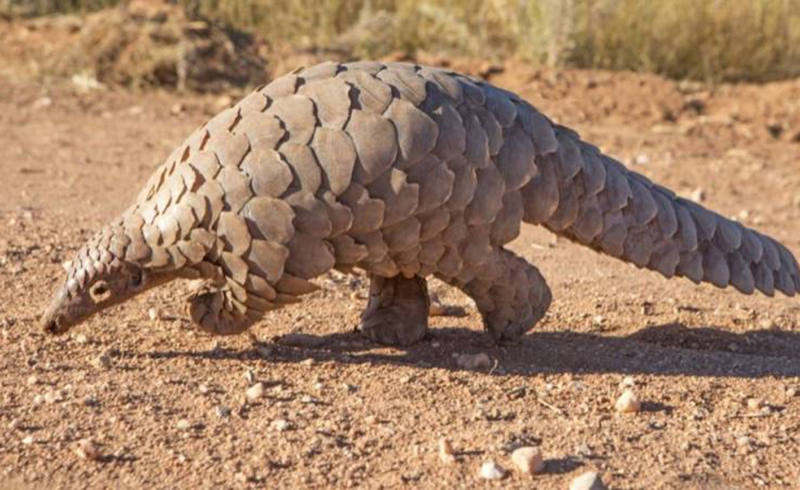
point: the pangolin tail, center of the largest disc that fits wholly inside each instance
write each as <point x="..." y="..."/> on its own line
<point x="594" y="200"/>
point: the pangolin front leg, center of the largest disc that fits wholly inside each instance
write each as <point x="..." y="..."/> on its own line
<point x="510" y="293"/>
<point x="397" y="312"/>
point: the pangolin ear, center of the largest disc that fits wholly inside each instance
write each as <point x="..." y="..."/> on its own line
<point x="100" y="291"/>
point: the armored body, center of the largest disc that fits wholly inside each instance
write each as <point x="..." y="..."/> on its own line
<point x="405" y="172"/>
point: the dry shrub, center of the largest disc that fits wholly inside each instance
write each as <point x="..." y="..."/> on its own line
<point x="721" y="40"/>
<point x="728" y="40"/>
<point x="150" y="42"/>
<point x="33" y="8"/>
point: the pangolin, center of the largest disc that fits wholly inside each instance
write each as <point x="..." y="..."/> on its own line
<point x="404" y="172"/>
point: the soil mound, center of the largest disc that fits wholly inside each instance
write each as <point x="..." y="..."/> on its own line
<point x="145" y="43"/>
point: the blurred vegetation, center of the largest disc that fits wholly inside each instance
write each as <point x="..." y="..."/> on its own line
<point x="717" y="40"/>
<point x="33" y="8"/>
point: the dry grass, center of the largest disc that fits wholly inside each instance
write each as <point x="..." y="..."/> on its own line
<point x="716" y="40"/>
<point x="30" y="8"/>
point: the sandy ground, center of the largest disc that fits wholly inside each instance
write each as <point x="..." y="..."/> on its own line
<point x="167" y="404"/>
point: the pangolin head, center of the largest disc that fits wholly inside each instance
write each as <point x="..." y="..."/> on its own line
<point x="96" y="280"/>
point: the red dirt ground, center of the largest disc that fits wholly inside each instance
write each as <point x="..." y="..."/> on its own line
<point x="362" y="415"/>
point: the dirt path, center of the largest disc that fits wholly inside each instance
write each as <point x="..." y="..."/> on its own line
<point x="168" y="405"/>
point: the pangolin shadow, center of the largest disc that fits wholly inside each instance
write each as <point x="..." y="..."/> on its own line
<point x="670" y="350"/>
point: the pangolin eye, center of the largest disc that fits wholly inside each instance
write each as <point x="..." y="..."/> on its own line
<point x="100" y="291"/>
<point x="136" y="278"/>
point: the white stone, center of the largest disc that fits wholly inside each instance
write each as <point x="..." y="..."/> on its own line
<point x="446" y="451"/>
<point x="255" y="392"/>
<point x="280" y="425"/>
<point x="628" y="402"/>
<point x="88" y="449"/>
<point x="587" y="481"/>
<point x="528" y="459"/>
<point x="492" y="471"/>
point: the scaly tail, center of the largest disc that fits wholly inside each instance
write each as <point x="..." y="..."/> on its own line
<point x="592" y="199"/>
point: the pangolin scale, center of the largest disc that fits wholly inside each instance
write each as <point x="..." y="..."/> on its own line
<point x="405" y="172"/>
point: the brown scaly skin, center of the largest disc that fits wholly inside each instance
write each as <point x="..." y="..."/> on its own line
<point x="404" y="172"/>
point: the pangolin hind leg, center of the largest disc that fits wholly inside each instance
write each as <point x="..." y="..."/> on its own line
<point x="397" y="312"/>
<point x="510" y="293"/>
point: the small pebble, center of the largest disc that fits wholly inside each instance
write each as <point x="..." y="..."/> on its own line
<point x="32" y="380"/>
<point x="52" y="396"/>
<point x="154" y="314"/>
<point x="255" y="392"/>
<point x="440" y="309"/>
<point x="446" y="451"/>
<point x="101" y="362"/>
<point x="627" y="382"/>
<point x="473" y="361"/>
<point x="27" y="440"/>
<point x="767" y="324"/>
<point x="280" y="425"/>
<point x="14" y="424"/>
<point x="587" y="481"/>
<point x="791" y="392"/>
<point x="628" y="402"/>
<point x="88" y="449"/>
<point x="250" y="376"/>
<point x="223" y="412"/>
<point x="492" y="471"/>
<point x="528" y="460"/>
<point x="698" y="195"/>
<point x="183" y="424"/>
<point x="82" y="339"/>
<point x="203" y="389"/>
<point x="755" y="403"/>
<point x="437" y="309"/>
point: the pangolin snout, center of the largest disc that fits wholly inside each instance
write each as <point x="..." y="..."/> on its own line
<point x="50" y="325"/>
<point x="53" y="321"/>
